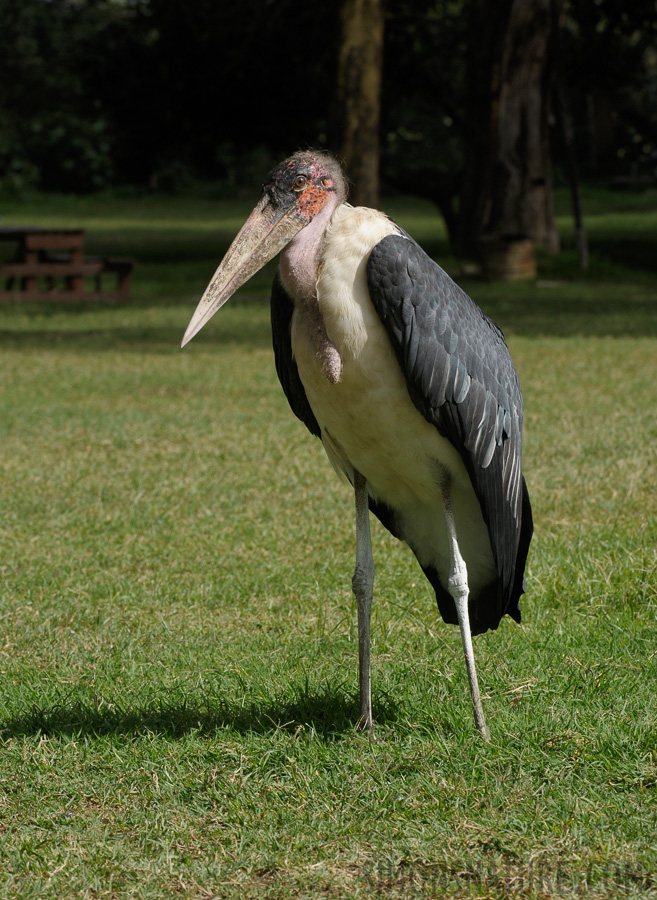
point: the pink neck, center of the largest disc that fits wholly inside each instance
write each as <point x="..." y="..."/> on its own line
<point x="300" y="260"/>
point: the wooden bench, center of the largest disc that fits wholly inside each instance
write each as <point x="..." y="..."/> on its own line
<point x="122" y="267"/>
<point x="97" y="266"/>
<point x="49" y="263"/>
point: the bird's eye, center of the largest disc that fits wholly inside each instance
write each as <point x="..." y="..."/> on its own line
<point x="299" y="183"/>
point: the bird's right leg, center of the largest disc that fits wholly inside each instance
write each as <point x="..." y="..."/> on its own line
<point x="363" y="586"/>
<point x="458" y="588"/>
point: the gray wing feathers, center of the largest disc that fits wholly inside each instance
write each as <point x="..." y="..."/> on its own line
<point x="461" y="378"/>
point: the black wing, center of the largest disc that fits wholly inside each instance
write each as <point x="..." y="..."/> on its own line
<point x="460" y="376"/>
<point x="286" y="368"/>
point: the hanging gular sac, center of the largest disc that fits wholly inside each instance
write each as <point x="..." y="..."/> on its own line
<point x="326" y="353"/>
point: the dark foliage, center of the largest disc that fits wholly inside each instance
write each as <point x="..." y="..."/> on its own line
<point x="96" y="92"/>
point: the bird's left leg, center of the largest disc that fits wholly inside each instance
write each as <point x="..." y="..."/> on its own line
<point x="363" y="586"/>
<point x="458" y="588"/>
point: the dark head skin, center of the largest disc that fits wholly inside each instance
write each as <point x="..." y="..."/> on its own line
<point x="303" y="181"/>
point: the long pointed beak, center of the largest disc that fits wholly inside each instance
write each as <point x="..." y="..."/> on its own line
<point x="263" y="235"/>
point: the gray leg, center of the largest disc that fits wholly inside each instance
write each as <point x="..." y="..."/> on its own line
<point x="363" y="585"/>
<point x="458" y="588"/>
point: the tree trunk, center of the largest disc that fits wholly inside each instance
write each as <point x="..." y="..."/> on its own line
<point x="566" y="131"/>
<point x="359" y="96"/>
<point x="507" y="202"/>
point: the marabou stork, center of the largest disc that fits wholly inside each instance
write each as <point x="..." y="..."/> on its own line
<point x="409" y="386"/>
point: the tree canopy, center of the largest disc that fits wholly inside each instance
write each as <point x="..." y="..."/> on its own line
<point x="99" y="92"/>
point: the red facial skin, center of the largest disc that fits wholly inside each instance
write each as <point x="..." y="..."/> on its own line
<point x="313" y="199"/>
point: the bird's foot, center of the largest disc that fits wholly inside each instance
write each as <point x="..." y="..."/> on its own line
<point x="366" y="724"/>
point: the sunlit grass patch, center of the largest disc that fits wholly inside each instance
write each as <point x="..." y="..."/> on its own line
<point x="178" y="649"/>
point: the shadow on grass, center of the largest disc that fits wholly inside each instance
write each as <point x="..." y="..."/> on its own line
<point x="142" y="340"/>
<point x="557" y="316"/>
<point x="556" y="306"/>
<point x="329" y="713"/>
<point x="544" y="315"/>
<point x="632" y="252"/>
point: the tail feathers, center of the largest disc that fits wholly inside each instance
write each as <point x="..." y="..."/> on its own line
<point x="526" y="532"/>
<point x="486" y="609"/>
<point x="490" y="605"/>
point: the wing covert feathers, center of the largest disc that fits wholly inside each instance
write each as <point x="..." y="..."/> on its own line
<point x="460" y="376"/>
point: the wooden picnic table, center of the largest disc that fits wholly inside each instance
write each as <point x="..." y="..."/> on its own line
<point x="50" y="263"/>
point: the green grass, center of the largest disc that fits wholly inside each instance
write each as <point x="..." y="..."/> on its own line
<point x="178" y="651"/>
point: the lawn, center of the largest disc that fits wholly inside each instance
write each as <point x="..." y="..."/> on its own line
<point x="178" y="647"/>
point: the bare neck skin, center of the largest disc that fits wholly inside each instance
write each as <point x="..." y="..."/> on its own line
<point x="299" y="267"/>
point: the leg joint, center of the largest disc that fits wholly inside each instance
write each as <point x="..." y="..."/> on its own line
<point x="458" y="578"/>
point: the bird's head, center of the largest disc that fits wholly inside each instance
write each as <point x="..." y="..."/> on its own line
<point x="294" y="194"/>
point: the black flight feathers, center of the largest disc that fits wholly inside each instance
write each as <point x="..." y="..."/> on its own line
<point x="282" y="308"/>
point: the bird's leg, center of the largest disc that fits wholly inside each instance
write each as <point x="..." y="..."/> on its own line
<point x="363" y="585"/>
<point x="458" y="588"/>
